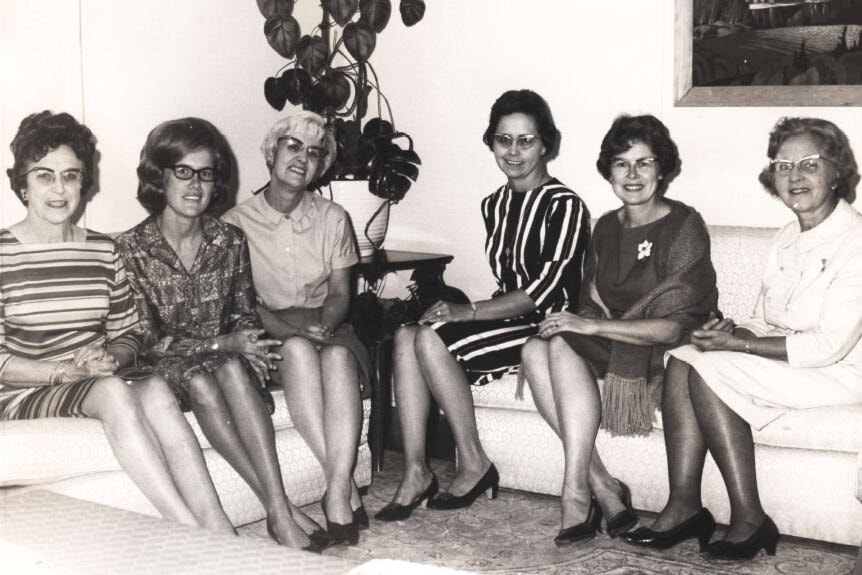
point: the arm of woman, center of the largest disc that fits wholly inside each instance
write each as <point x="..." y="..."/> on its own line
<point x="335" y="306"/>
<point x="510" y="304"/>
<point x="635" y="331"/>
<point x="21" y="372"/>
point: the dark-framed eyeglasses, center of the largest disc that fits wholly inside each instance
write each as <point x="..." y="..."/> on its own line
<point x="47" y="176"/>
<point x="640" y="165"/>
<point x="296" y="146"/>
<point x="807" y="165"/>
<point x="184" y="172"/>
<point x="522" y="142"/>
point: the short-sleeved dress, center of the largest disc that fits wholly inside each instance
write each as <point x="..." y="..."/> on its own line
<point x="536" y="241"/>
<point x="812" y="295"/>
<point x="182" y="310"/>
<point x="55" y="299"/>
<point x="292" y="257"/>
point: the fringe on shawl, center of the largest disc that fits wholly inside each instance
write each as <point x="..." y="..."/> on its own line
<point x="628" y="404"/>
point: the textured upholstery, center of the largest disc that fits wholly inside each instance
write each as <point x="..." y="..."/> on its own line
<point x="73" y="457"/>
<point x="809" y="462"/>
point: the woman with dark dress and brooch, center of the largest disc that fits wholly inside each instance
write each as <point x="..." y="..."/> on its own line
<point x="537" y="236"/>
<point x="191" y="278"/>
<point x="648" y="280"/>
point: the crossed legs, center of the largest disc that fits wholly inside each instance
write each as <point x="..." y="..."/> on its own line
<point x="424" y="368"/>
<point x="566" y="395"/>
<point x="155" y="445"/>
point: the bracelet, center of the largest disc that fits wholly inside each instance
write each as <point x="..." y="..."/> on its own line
<point x="59" y="372"/>
<point x="748" y="345"/>
<point x="473" y="307"/>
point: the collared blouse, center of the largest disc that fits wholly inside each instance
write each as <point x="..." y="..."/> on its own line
<point x="294" y="254"/>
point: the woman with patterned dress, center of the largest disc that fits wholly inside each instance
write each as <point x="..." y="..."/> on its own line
<point x="302" y="251"/>
<point x="802" y="347"/>
<point x="537" y="235"/>
<point x="69" y="331"/>
<point x="648" y="280"/>
<point x="191" y="279"/>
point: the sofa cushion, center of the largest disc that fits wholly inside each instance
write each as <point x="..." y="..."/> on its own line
<point x="45" y="450"/>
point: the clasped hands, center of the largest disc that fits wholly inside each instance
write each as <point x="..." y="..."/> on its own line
<point x="92" y="360"/>
<point x="253" y="348"/>
<point x="717" y="335"/>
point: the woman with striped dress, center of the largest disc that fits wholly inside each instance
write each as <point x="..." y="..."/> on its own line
<point x="69" y="333"/>
<point x="537" y="235"/>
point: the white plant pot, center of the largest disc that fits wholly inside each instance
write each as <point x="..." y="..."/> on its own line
<point x="362" y="205"/>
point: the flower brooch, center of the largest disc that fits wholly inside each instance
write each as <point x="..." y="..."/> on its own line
<point x="644" y="250"/>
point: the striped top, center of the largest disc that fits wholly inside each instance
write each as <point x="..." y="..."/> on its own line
<point x="56" y="298"/>
<point x="537" y="242"/>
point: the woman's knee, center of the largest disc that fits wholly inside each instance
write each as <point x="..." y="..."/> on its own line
<point x="404" y="337"/>
<point x="332" y="355"/>
<point x="296" y="347"/>
<point x="534" y="351"/>
<point x="204" y="391"/>
<point x="110" y="398"/>
<point x="427" y="341"/>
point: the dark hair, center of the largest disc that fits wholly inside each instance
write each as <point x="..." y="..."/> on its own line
<point x="833" y="145"/>
<point x="626" y="131"/>
<point x="529" y="103"/>
<point x="44" y="132"/>
<point x="166" y="145"/>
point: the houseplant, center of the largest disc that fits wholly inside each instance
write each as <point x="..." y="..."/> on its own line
<point x="329" y="72"/>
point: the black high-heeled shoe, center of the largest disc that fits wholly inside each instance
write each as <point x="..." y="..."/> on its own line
<point x="397" y="512"/>
<point x="312" y="546"/>
<point x="766" y="538"/>
<point x="582" y="531"/>
<point x="625" y="519"/>
<point x="340" y="532"/>
<point x="489" y="483"/>
<point x="360" y="517"/>
<point x="700" y="525"/>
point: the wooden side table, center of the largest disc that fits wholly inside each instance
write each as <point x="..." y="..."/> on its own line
<point x="427" y="269"/>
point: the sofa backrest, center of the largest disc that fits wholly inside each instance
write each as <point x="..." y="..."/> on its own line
<point x="739" y="256"/>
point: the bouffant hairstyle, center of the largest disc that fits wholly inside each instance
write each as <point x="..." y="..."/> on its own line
<point x="166" y="145"/>
<point x="301" y="122"/>
<point x="533" y="105"/>
<point x="626" y="131"/>
<point x="44" y="132"/>
<point x="832" y="144"/>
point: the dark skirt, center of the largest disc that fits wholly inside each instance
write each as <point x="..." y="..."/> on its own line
<point x="487" y="349"/>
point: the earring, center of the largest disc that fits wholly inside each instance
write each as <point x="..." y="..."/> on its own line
<point x="24" y="195"/>
<point x="834" y="186"/>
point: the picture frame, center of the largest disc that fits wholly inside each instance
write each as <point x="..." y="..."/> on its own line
<point x="687" y="95"/>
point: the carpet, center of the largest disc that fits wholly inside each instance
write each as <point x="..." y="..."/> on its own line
<point x="514" y="534"/>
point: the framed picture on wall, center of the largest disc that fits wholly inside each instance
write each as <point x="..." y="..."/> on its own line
<point x="768" y="53"/>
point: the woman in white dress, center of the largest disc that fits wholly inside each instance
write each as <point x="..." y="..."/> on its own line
<point x="801" y="349"/>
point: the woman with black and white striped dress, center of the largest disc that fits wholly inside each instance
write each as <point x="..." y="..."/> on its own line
<point x="537" y="235"/>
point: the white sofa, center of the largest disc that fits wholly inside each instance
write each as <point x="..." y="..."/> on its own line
<point x="809" y="463"/>
<point x="72" y="457"/>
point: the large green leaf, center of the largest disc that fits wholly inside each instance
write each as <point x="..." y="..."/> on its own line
<point x="282" y="33"/>
<point x="294" y="82"/>
<point x="359" y="40"/>
<point x="333" y="89"/>
<point x="412" y="11"/>
<point x="341" y="10"/>
<point x="376" y="128"/>
<point x="273" y="94"/>
<point x="311" y="54"/>
<point x="375" y="13"/>
<point x="403" y="168"/>
<point x="271" y="8"/>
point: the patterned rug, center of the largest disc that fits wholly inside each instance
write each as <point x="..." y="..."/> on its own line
<point x="514" y="534"/>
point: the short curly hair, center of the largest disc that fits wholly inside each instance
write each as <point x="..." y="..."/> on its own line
<point x="626" y="131"/>
<point x="166" y="145"/>
<point x="533" y="105"/>
<point x="832" y="143"/>
<point x="306" y="121"/>
<point x="44" y="132"/>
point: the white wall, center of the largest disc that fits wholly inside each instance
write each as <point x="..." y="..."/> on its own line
<point x="125" y="66"/>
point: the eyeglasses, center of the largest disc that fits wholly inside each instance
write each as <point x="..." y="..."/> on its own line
<point x="522" y="142"/>
<point x="807" y="165"/>
<point x="47" y="176"/>
<point x="296" y="146"/>
<point x="184" y="172"/>
<point x="640" y="165"/>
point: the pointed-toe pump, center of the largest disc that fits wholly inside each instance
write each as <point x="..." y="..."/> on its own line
<point x="489" y="483"/>
<point x="701" y="525"/>
<point x="340" y="533"/>
<point x="582" y="531"/>
<point x="766" y="538"/>
<point x="313" y="546"/>
<point x="360" y="517"/>
<point x="397" y="512"/>
<point x="625" y="519"/>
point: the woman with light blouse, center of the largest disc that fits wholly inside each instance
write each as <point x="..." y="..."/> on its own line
<point x="302" y="249"/>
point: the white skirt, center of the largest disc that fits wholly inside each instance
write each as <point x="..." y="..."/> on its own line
<point x="760" y="390"/>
